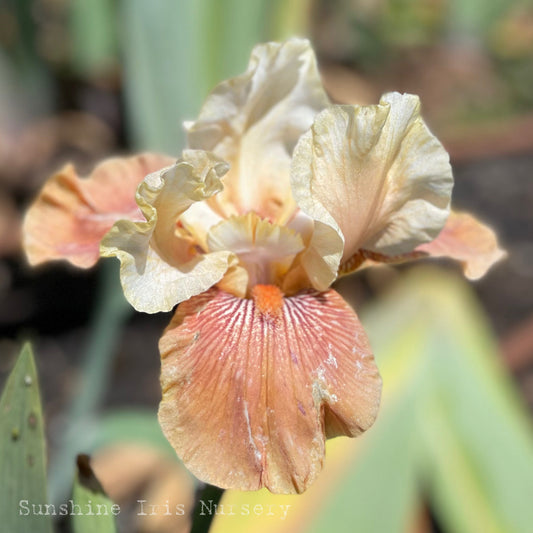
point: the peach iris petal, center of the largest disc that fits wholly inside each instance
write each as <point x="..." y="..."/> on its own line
<point x="72" y="214"/>
<point x="466" y="239"/>
<point x="253" y="121"/>
<point x="253" y="387"/>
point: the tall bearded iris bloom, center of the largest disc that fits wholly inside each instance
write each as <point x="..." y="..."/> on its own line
<point x="278" y="193"/>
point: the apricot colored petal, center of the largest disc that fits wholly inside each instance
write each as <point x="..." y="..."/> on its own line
<point x="160" y="265"/>
<point x="466" y="239"/>
<point x="253" y="387"/>
<point x="266" y="250"/>
<point x="72" y="214"/>
<point x="253" y="121"/>
<point x="373" y="174"/>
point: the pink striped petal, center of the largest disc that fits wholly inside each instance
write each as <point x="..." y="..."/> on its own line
<point x="72" y="214"/>
<point x="253" y="387"/>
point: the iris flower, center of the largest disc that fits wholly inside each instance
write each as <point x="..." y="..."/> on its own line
<point x="278" y="193"/>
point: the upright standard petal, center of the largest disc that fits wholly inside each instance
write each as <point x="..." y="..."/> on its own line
<point x="160" y="262"/>
<point x="72" y="214"/>
<point x="253" y="121"/>
<point x="252" y="387"/>
<point x="468" y="241"/>
<point x="374" y="173"/>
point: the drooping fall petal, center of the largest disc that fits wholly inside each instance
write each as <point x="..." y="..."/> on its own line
<point x="253" y="122"/>
<point x="467" y="240"/>
<point x="160" y="264"/>
<point x="71" y="214"/>
<point x="374" y="174"/>
<point x="252" y="387"/>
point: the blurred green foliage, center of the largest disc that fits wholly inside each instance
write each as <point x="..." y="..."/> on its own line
<point x="379" y="34"/>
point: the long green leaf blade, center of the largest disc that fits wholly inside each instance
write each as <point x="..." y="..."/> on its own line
<point x="475" y="439"/>
<point x="165" y="67"/>
<point x="484" y="450"/>
<point x="22" y="451"/>
<point x="175" y="52"/>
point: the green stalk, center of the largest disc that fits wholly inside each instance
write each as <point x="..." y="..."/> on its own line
<point x="110" y="313"/>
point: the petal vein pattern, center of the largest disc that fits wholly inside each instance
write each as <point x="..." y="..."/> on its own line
<point x="278" y="194"/>
<point x="253" y="387"/>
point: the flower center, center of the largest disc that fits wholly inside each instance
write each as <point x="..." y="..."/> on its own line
<point x="265" y="250"/>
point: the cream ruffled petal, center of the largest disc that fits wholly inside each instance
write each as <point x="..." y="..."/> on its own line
<point x="198" y="220"/>
<point x="253" y="121"/>
<point x="373" y="174"/>
<point x="160" y="265"/>
<point x="463" y="238"/>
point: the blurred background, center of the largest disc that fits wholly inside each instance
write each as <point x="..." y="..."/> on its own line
<point x="452" y="451"/>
